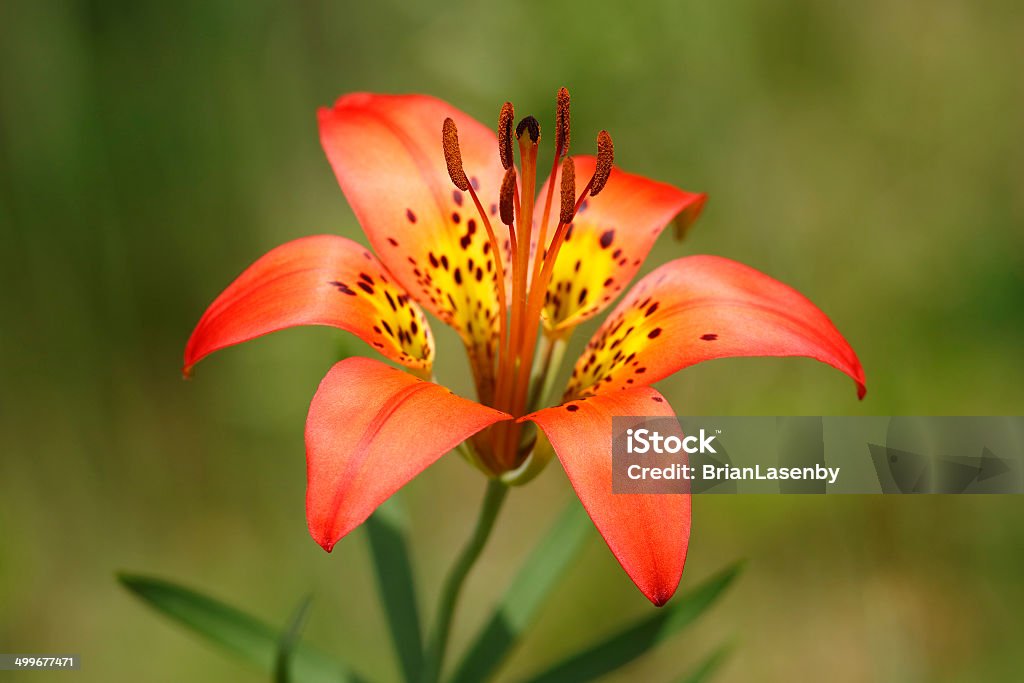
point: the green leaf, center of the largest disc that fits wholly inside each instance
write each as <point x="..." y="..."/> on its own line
<point x="289" y="639"/>
<point x="706" y="668"/>
<point x="387" y="529"/>
<point x="236" y="632"/>
<point x="527" y="594"/>
<point x="625" y="646"/>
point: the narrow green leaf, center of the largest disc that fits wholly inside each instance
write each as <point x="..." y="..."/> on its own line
<point x="625" y="646"/>
<point x="236" y="632"/>
<point x="289" y="639"/>
<point x="708" y="667"/>
<point x="527" y="594"/>
<point x="387" y="530"/>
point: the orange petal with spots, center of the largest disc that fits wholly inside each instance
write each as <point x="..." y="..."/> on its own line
<point x="386" y="153"/>
<point x="704" y="307"/>
<point x="321" y="280"/>
<point x="372" y="428"/>
<point x="609" y="239"/>
<point x="648" y="533"/>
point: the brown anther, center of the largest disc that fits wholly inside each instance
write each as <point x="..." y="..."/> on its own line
<point x="568" y="209"/>
<point x="562" y="122"/>
<point x="506" y="200"/>
<point x="452" y="154"/>
<point x="605" y="157"/>
<point x="505" y="121"/>
<point x="528" y="124"/>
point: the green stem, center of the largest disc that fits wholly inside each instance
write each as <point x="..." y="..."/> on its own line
<point x="433" y="659"/>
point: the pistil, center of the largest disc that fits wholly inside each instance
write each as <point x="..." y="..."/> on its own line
<point x="539" y="285"/>
<point x="520" y="314"/>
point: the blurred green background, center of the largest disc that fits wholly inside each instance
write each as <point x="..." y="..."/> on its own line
<point x="869" y="154"/>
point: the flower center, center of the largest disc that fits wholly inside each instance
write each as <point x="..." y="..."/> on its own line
<point x="516" y="377"/>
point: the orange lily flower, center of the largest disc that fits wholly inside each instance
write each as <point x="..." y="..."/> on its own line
<point x="455" y="227"/>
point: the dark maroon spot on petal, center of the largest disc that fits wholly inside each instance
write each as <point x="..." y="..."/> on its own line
<point x="640" y="371"/>
<point x="709" y="337"/>
<point x="366" y="278"/>
<point x="608" y="282"/>
<point x="583" y="295"/>
<point x="464" y="241"/>
<point x="444" y="262"/>
<point x="475" y="183"/>
<point x="342" y="287"/>
<point x="458" y="276"/>
<point x="387" y="327"/>
<point x="606" y="238"/>
<point x="653" y="334"/>
<point x="410" y="215"/>
<point x="365" y="287"/>
<point x="457" y="197"/>
<point x="617" y="253"/>
<point x="456" y="218"/>
<point x="572" y="408"/>
<point x="651" y="310"/>
<point x="392" y="241"/>
<point x="657" y="399"/>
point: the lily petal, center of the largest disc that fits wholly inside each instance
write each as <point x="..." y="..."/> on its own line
<point x="386" y="153"/>
<point x="609" y="239"/>
<point x="320" y="280"/>
<point x="648" y="533"/>
<point x="699" y="308"/>
<point x="371" y="428"/>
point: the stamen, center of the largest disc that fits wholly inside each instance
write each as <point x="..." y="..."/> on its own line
<point x="561" y="150"/>
<point x="605" y="156"/>
<point x="562" y="122"/>
<point x="528" y="124"/>
<point x="452" y="154"/>
<point x="568" y="208"/>
<point x="505" y="121"/>
<point x="506" y="200"/>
